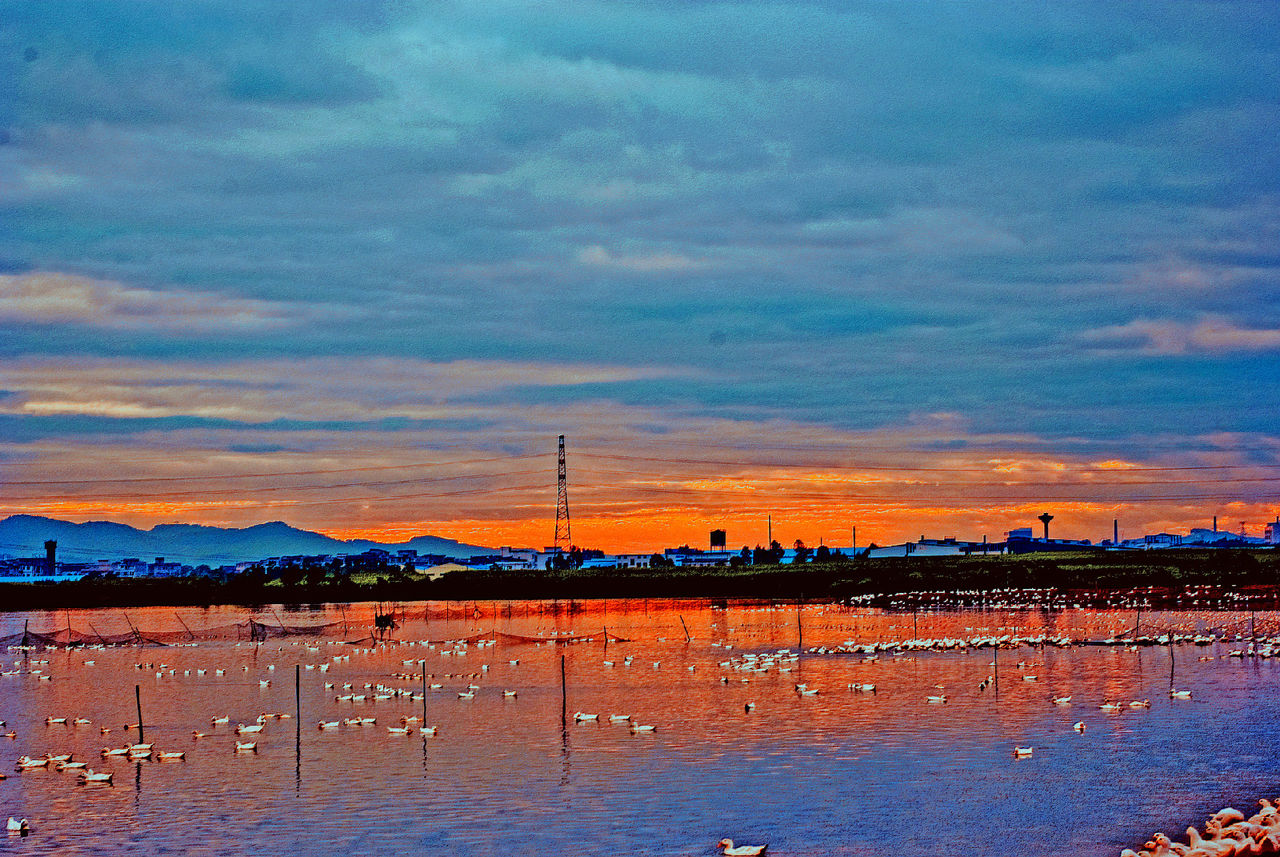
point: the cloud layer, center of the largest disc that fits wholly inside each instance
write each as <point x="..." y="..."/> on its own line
<point x="1058" y="224"/>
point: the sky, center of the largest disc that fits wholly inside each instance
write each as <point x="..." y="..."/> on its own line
<point x="911" y="268"/>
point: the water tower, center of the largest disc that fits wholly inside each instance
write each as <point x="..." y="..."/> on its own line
<point x="1045" y="518"/>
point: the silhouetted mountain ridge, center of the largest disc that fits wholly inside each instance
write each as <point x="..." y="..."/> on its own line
<point x="193" y="544"/>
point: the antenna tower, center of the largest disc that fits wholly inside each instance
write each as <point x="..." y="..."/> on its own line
<point x="563" y="540"/>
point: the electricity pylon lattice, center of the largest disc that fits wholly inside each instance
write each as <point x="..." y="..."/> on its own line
<point x="563" y="539"/>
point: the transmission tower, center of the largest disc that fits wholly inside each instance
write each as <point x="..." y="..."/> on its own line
<point x="563" y="539"/>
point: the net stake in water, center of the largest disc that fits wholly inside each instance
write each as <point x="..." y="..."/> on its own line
<point x="137" y="696"/>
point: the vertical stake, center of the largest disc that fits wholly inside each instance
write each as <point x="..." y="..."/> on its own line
<point x="297" y="695"/>
<point x="687" y="638"/>
<point x="137" y="695"/>
<point x="424" y="691"/>
<point x="799" y="625"/>
<point x="1171" y="644"/>
<point x="564" y="693"/>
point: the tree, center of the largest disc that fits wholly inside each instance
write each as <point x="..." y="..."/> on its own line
<point x="822" y="554"/>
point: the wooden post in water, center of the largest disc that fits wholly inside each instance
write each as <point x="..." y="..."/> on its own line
<point x="1136" y="622"/>
<point x="137" y="696"/>
<point x="995" y="665"/>
<point x="1253" y="636"/>
<point x="687" y="638"/>
<point x="915" y="628"/>
<point x="424" y="691"/>
<point x="297" y="695"/>
<point x="564" y="694"/>
<point x="1171" y="664"/>
<point x="799" y="625"/>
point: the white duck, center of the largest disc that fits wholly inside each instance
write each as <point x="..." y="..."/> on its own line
<point x="730" y="850"/>
<point x="91" y="777"/>
<point x="16" y="826"/>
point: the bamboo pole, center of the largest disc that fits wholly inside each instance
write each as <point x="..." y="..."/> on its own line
<point x="137" y="696"/>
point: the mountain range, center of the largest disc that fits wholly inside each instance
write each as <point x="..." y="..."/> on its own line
<point x="193" y="544"/>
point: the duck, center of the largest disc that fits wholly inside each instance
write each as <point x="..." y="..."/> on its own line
<point x="509" y="694"/>
<point x="1140" y="703"/>
<point x="397" y="730"/>
<point x="730" y="850"/>
<point x="636" y="727"/>
<point x="243" y="729"/>
<point x="73" y="766"/>
<point x="328" y="724"/>
<point x="1060" y="700"/>
<point x="427" y="730"/>
<point x="1179" y="694"/>
<point x="220" y="721"/>
<point x="246" y="746"/>
<point x="115" y="751"/>
<point x="26" y="763"/>
<point x="172" y="756"/>
<point x="939" y="698"/>
<point x="581" y="717"/>
<point x="1023" y="752"/>
<point x="1111" y="706"/>
<point x="94" y="778"/>
<point x="49" y="721"/>
<point x="1078" y="726"/>
<point x="16" y="826"/>
<point x="196" y="735"/>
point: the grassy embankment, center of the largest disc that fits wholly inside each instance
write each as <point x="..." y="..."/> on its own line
<point x="1171" y="570"/>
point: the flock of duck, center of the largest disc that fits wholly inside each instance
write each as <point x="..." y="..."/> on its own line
<point x="415" y="684"/>
<point x="1227" y="833"/>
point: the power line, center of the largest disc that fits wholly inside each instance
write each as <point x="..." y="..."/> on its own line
<point x="911" y="468"/>
<point x="273" y="473"/>
<point x="270" y="488"/>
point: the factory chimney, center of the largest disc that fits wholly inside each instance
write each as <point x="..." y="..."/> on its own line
<point x="1115" y="531"/>
<point x="50" y="549"/>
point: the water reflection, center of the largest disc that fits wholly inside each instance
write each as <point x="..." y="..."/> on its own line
<point x="838" y="772"/>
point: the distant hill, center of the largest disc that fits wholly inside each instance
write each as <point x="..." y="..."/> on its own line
<point x="192" y="544"/>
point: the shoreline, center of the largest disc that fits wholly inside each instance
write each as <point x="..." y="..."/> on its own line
<point x="1164" y="578"/>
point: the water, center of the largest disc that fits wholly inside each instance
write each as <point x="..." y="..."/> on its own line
<point x="840" y="773"/>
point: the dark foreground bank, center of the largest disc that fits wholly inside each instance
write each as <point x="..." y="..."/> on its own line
<point x="1085" y="579"/>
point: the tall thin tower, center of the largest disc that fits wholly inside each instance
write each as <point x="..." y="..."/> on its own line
<point x="563" y="540"/>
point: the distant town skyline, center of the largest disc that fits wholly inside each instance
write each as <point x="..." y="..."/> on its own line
<point x="920" y="269"/>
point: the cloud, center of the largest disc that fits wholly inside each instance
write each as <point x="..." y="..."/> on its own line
<point x="50" y="298"/>
<point x="332" y="390"/>
<point x="1210" y="334"/>
<point x="598" y="257"/>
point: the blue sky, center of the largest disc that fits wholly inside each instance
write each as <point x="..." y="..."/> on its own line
<point x="1031" y="231"/>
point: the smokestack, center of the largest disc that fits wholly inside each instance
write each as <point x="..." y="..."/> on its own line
<point x="1215" y="523"/>
<point x="50" y="549"/>
<point x="1115" y="531"/>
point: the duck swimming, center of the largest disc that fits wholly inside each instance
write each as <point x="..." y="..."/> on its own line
<point x="730" y="850"/>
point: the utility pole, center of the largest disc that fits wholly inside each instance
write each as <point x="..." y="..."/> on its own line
<point x="563" y="540"/>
